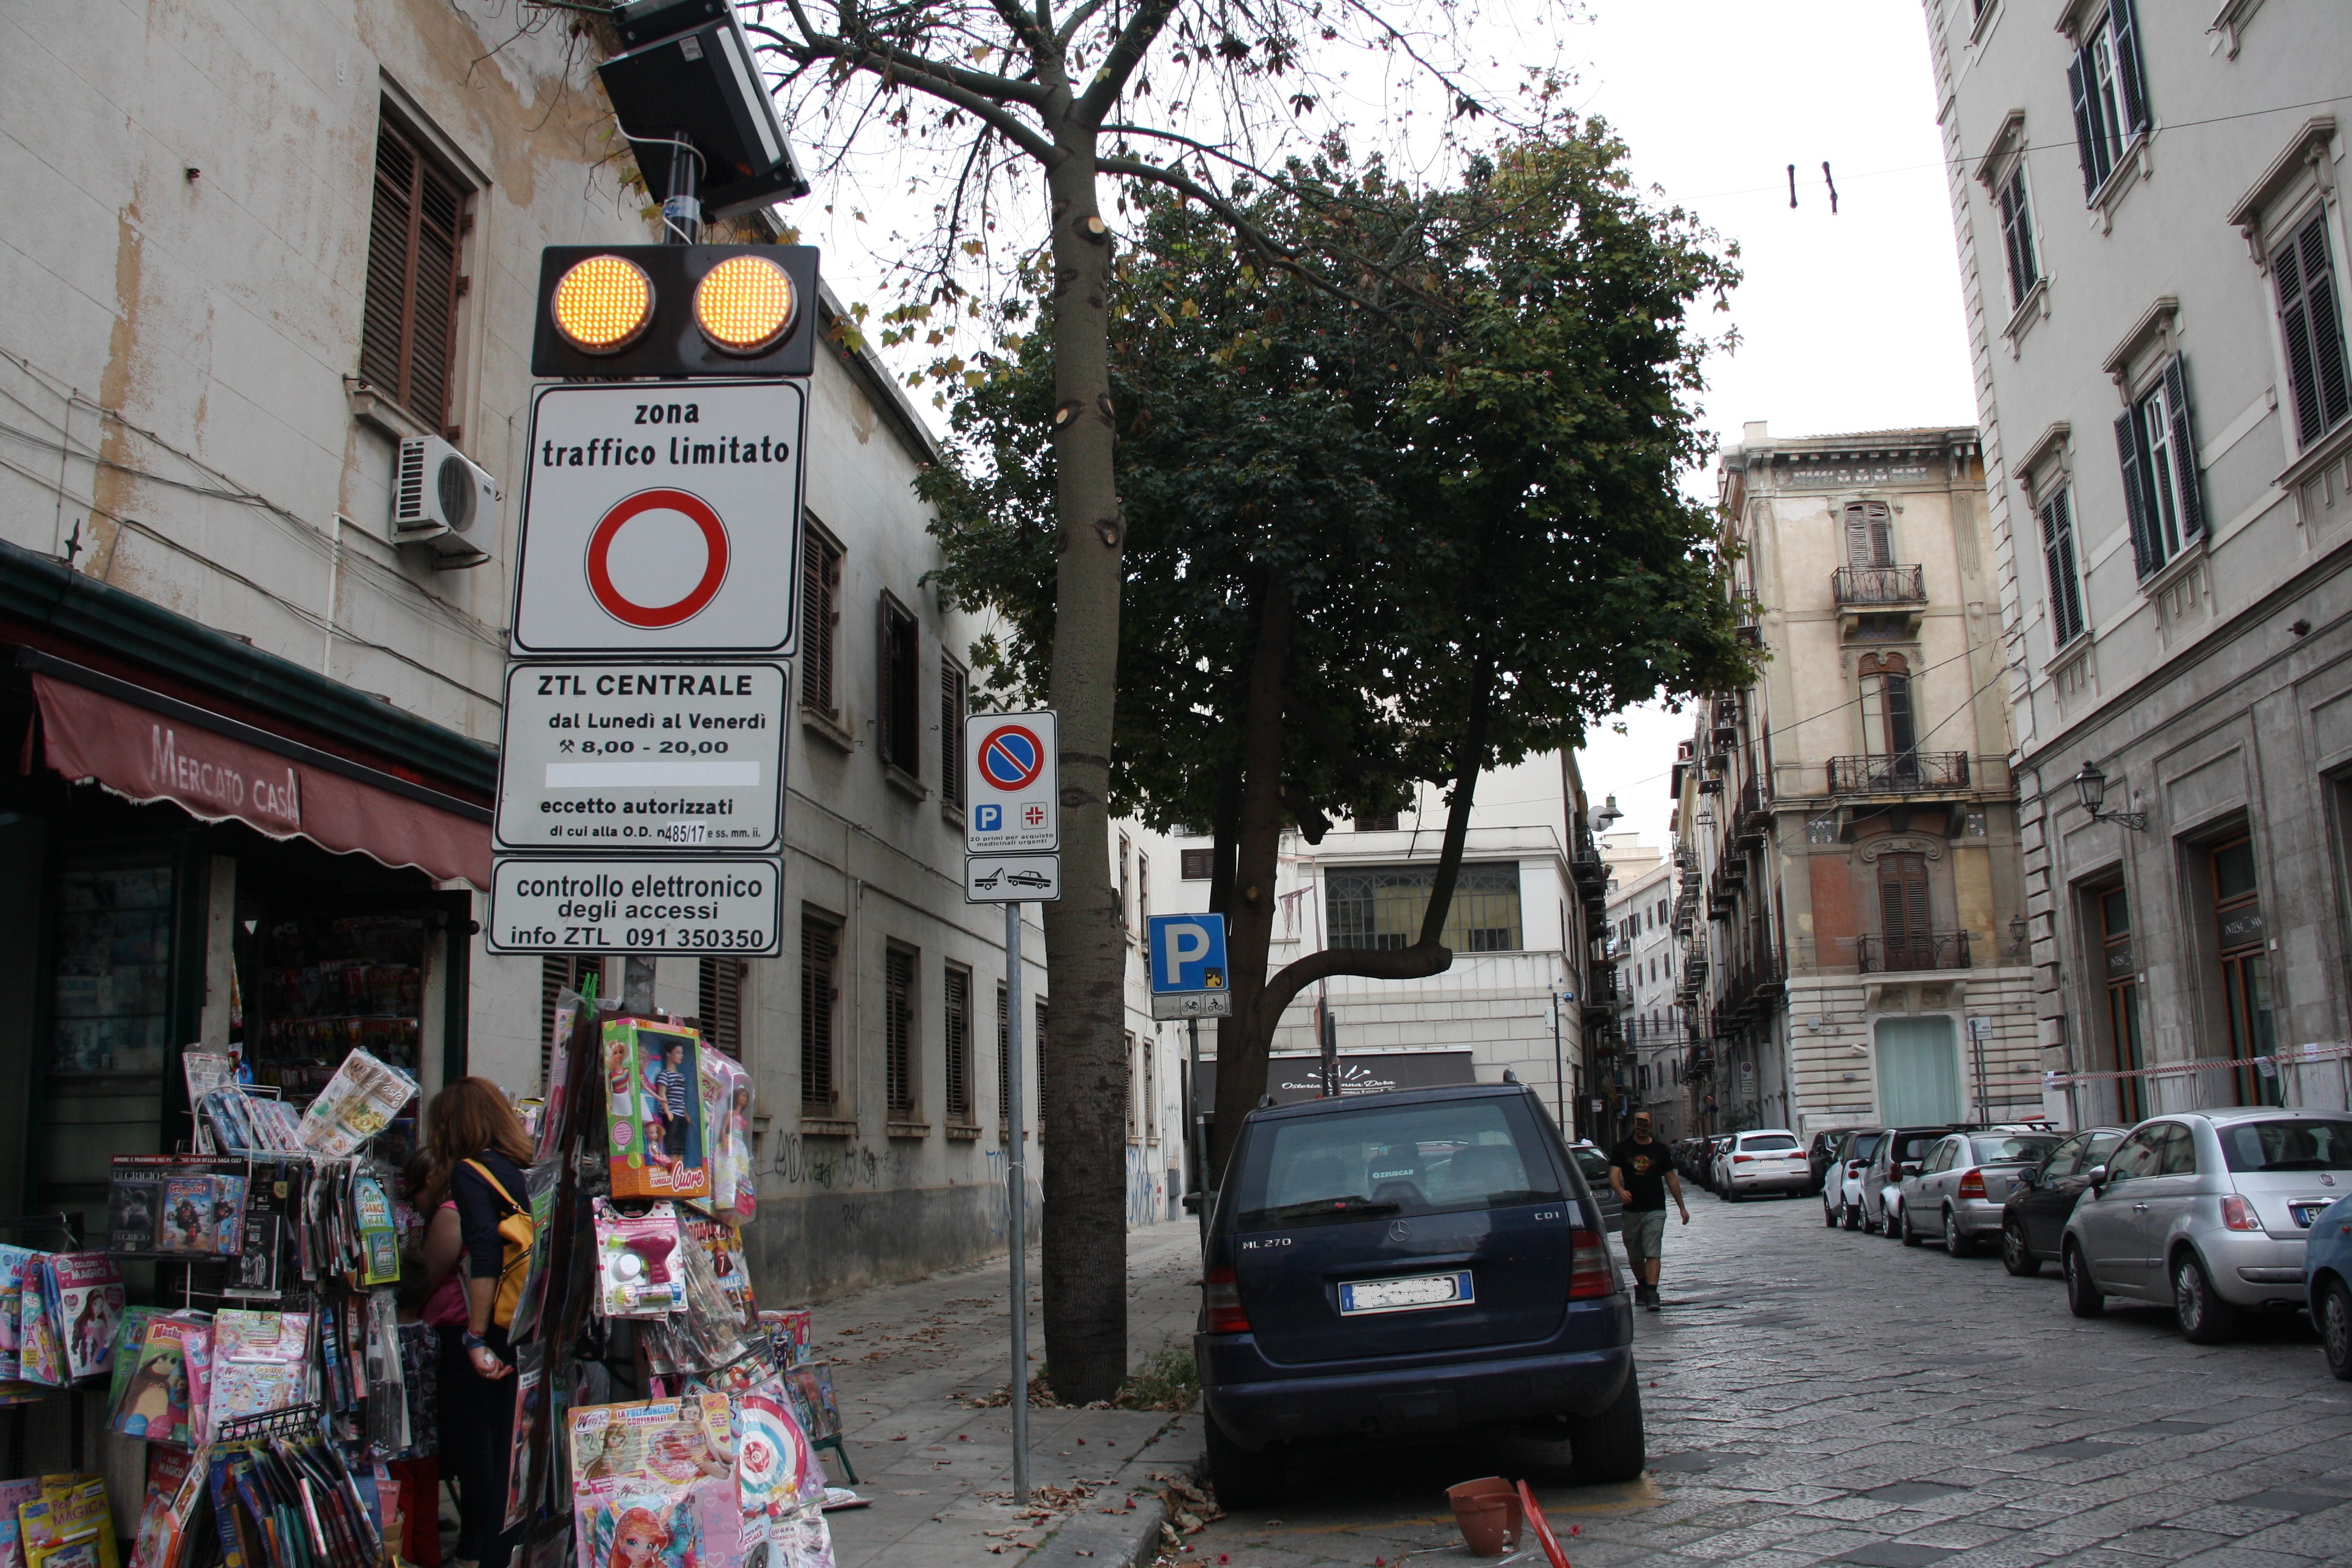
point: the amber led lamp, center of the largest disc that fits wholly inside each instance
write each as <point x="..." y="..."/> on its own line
<point x="744" y="305"/>
<point x="602" y="303"/>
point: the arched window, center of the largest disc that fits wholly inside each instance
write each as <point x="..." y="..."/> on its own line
<point x="1869" y="534"/>
<point x="1888" y="725"/>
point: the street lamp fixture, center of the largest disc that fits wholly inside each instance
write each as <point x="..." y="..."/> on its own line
<point x="1608" y="815"/>
<point x="2091" y="786"/>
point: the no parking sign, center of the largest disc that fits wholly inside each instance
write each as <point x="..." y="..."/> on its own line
<point x="1015" y="783"/>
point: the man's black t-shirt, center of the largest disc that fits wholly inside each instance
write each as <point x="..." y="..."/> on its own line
<point x="1645" y="1166"/>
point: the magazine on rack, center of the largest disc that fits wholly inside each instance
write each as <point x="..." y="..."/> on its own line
<point x="527" y="1445"/>
<point x="258" y="1363"/>
<point x="82" y="1299"/>
<point x="70" y="1527"/>
<point x="655" y="1524"/>
<point x="13" y="1495"/>
<point x="173" y="1484"/>
<point x="358" y="1102"/>
<point x="568" y="1004"/>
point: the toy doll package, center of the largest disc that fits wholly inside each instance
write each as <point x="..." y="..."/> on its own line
<point x="653" y="1086"/>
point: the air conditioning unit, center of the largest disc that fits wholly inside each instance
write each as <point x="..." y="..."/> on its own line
<point x="441" y="498"/>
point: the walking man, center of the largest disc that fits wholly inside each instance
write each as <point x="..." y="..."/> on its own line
<point x="1643" y="1174"/>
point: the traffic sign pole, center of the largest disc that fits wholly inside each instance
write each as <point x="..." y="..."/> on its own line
<point x="1017" y="1194"/>
<point x="1200" y="1129"/>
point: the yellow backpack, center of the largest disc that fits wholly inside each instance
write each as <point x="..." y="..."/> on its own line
<point x="517" y="1232"/>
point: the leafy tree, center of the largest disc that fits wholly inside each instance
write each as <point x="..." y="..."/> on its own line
<point x="1409" y="535"/>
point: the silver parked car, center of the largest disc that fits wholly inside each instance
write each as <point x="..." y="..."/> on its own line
<point x="1958" y="1189"/>
<point x="2208" y="1211"/>
<point x="1591" y="1160"/>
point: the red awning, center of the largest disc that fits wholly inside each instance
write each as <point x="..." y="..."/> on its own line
<point x="187" y="757"/>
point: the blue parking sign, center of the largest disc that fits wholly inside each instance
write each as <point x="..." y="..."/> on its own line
<point x="1187" y="953"/>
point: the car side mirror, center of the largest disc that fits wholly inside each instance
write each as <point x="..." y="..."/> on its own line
<point x="2098" y="1176"/>
<point x="2027" y="1178"/>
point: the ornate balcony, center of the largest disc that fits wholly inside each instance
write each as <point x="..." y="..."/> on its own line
<point x="1899" y="773"/>
<point x="1873" y="586"/>
<point x="1934" y="950"/>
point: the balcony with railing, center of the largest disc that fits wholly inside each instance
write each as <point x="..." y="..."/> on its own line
<point x="1899" y="773"/>
<point x="1879" y="601"/>
<point x="1929" y="950"/>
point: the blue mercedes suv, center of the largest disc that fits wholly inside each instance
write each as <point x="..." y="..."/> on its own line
<point x="1405" y="1266"/>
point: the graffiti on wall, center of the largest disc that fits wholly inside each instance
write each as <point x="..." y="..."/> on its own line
<point x="1147" y="1186"/>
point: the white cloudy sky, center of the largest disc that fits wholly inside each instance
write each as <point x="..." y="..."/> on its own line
<point x="1850" y="321"/>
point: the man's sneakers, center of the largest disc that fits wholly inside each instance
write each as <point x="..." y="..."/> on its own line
<point x="1646" y="1296"/>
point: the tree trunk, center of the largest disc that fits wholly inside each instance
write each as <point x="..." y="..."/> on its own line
<point x="1083" y="1110"/>
<point x="1245" y="1039"/>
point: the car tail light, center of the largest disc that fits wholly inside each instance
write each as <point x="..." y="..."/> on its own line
<point x="1972" y="1184"/>
<point x="1225" y="1303"/>
<point x="2238" y="1214"/>
<point x="1856" y="1167"/>
<point x="1743" y="1159"/>
<point x="1589" y="1271"/>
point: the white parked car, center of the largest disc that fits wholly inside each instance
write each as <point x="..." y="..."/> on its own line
<point x="1770" y="1160"/>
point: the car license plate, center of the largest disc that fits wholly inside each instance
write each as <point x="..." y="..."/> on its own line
<point x="1415" y="1294"/>
<point x="2302" y="1214"/>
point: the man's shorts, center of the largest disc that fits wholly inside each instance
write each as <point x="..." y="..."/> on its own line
<point x="1645" y="1234"/>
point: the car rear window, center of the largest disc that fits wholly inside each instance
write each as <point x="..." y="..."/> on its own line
<point x="1593" y="1162"/>
<point x="1866" y="1146"/>
<point x="1409" y="1158"/>
<point x="1909" y="1146"/>
<point x="1767" y="1141"/>
<point x="2287" y="1145"/>
<point x="2011" y="1149"/>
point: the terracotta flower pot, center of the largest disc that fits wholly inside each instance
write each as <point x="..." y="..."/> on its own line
<point x="1487" y="1511"/>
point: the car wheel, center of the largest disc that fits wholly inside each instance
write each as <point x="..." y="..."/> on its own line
<point x="2205" y="1318"/>
<point x="2335" y="1327"/>
<point x="2083" y="1297"/>
<point x="1957" y="1242"/>
<point x="2016" y="1253"/>
<point x="1607" y="1446"/>
<point x="1910" y="1236"/>
<point x="1828" y="1214"/>
<point x="1241" y="1480"/>
<point x="1852" y="1215"/>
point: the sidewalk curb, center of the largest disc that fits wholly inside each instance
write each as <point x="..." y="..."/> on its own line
<point x="1123" y="1539"/>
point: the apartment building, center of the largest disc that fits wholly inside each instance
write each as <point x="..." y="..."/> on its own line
<point x="1642" y="950"/>
<point x="1849" y="895"/>
<point x="2149" y="203"/>
<point x="257" y="715"/>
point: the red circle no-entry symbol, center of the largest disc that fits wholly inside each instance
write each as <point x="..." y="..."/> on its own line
<point x="617" y="602"/>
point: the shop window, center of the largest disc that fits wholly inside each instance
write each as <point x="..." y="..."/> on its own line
<point x="2244" y="948"/>
<point x="1196" y="865"/>
<point x="898" y="728"/>
<point x="2104" y="81"/>
<point x="898" y="1032"/>
<point x="2158" y="456"/>
<point x="821" y="617"/>
<point x="953" y="697"/>
<point x="557" y="975"/>
<point x="2314" y="331"/>
<point x="112" y="997"/>
<point x="408" y="330"/>
<point x="955" y="992"/>
<point x="2120" y="969"/>
<point x="719" y="1006"/>
<point x="329" y="982"/>
<point x="1382" y="907"/>
<point x="820" y="1000"/>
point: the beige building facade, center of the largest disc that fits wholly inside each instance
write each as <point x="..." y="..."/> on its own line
<point x="1849" y="894"/>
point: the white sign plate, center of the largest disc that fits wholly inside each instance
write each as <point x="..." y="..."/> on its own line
<point x="1013" y="775"/>
<point x="1012" y="878"/>
<point x="662" y="517"/>
<point x="1192" y="1004"/>
<point x="660" y="757"/>
<point x="590" y="903"/>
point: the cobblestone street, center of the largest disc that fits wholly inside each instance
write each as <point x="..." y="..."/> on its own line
<point x="1830" y="1396"/>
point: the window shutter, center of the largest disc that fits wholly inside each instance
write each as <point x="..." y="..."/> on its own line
<point x="951" y="682"/>
<point x="1003" y="1056"/>
<point x="384" y="325"/>
<point x="2312" y="329"/>
<point x="898" y="1031"/>
<point x="2017" y="236"/>
<point x="2124" y="29"/>
<point x="2128" y="454"/>
<point x="2184" y="448"/>
<point x="2087" y="129"/>
<point x="956" y="992"/>
<point x="2066" y="588"/>
<point x="1882" y="534"/>
<point x="1857" y="537"/>
<point x="408" y="322"/>
<point x="819" y="581"/>
<point x="886" y="722"/>
<point x="1901" y="734"/>
<point x="1903" y="900"/>
<point x="817" y="998"/>
<point x="719" y="1006"/>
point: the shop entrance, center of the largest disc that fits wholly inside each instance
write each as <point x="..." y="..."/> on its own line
<point x="1918" y="1071"/>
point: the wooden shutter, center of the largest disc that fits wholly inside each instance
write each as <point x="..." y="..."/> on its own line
<point x="1003" y="1056"/>
<point x="2086" y="124"/>
<point x="956" y="992"/>
<point x="2123" y="27"/>
<point x="720" y="1007"/>
<point x="408" y="324"/>
<point x="2184" y="448"/>
<point x="820" y="583"/>
<point x="1902" y="910"/>
<point x="820" y="943"/>
<point x="2314" y="331"/>
<point x="2065" y="582"/>
<point x="898" y="730"/>
<point x="952" y="696"/>
<point x="899" y="1031"/>
<point x="2017" y="236"/>
<point x="2135" y="501"/>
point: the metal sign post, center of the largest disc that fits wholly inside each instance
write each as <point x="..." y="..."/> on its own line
<point x="1200" y="1128"/>
<point x="1017" y="1196"/>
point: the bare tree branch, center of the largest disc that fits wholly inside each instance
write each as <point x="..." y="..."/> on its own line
<point x="1134" y="41"/>
<point x="912" y="70"/>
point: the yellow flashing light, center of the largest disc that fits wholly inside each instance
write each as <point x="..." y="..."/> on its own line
<point x="602" y="303"/>
<point x="744" y="305"/>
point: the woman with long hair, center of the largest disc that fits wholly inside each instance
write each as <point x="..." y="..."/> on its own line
<point x="476" y="1148"/>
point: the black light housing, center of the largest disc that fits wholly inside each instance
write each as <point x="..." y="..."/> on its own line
<point x="671" y="344"/>
<point x="688" y="72"/>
